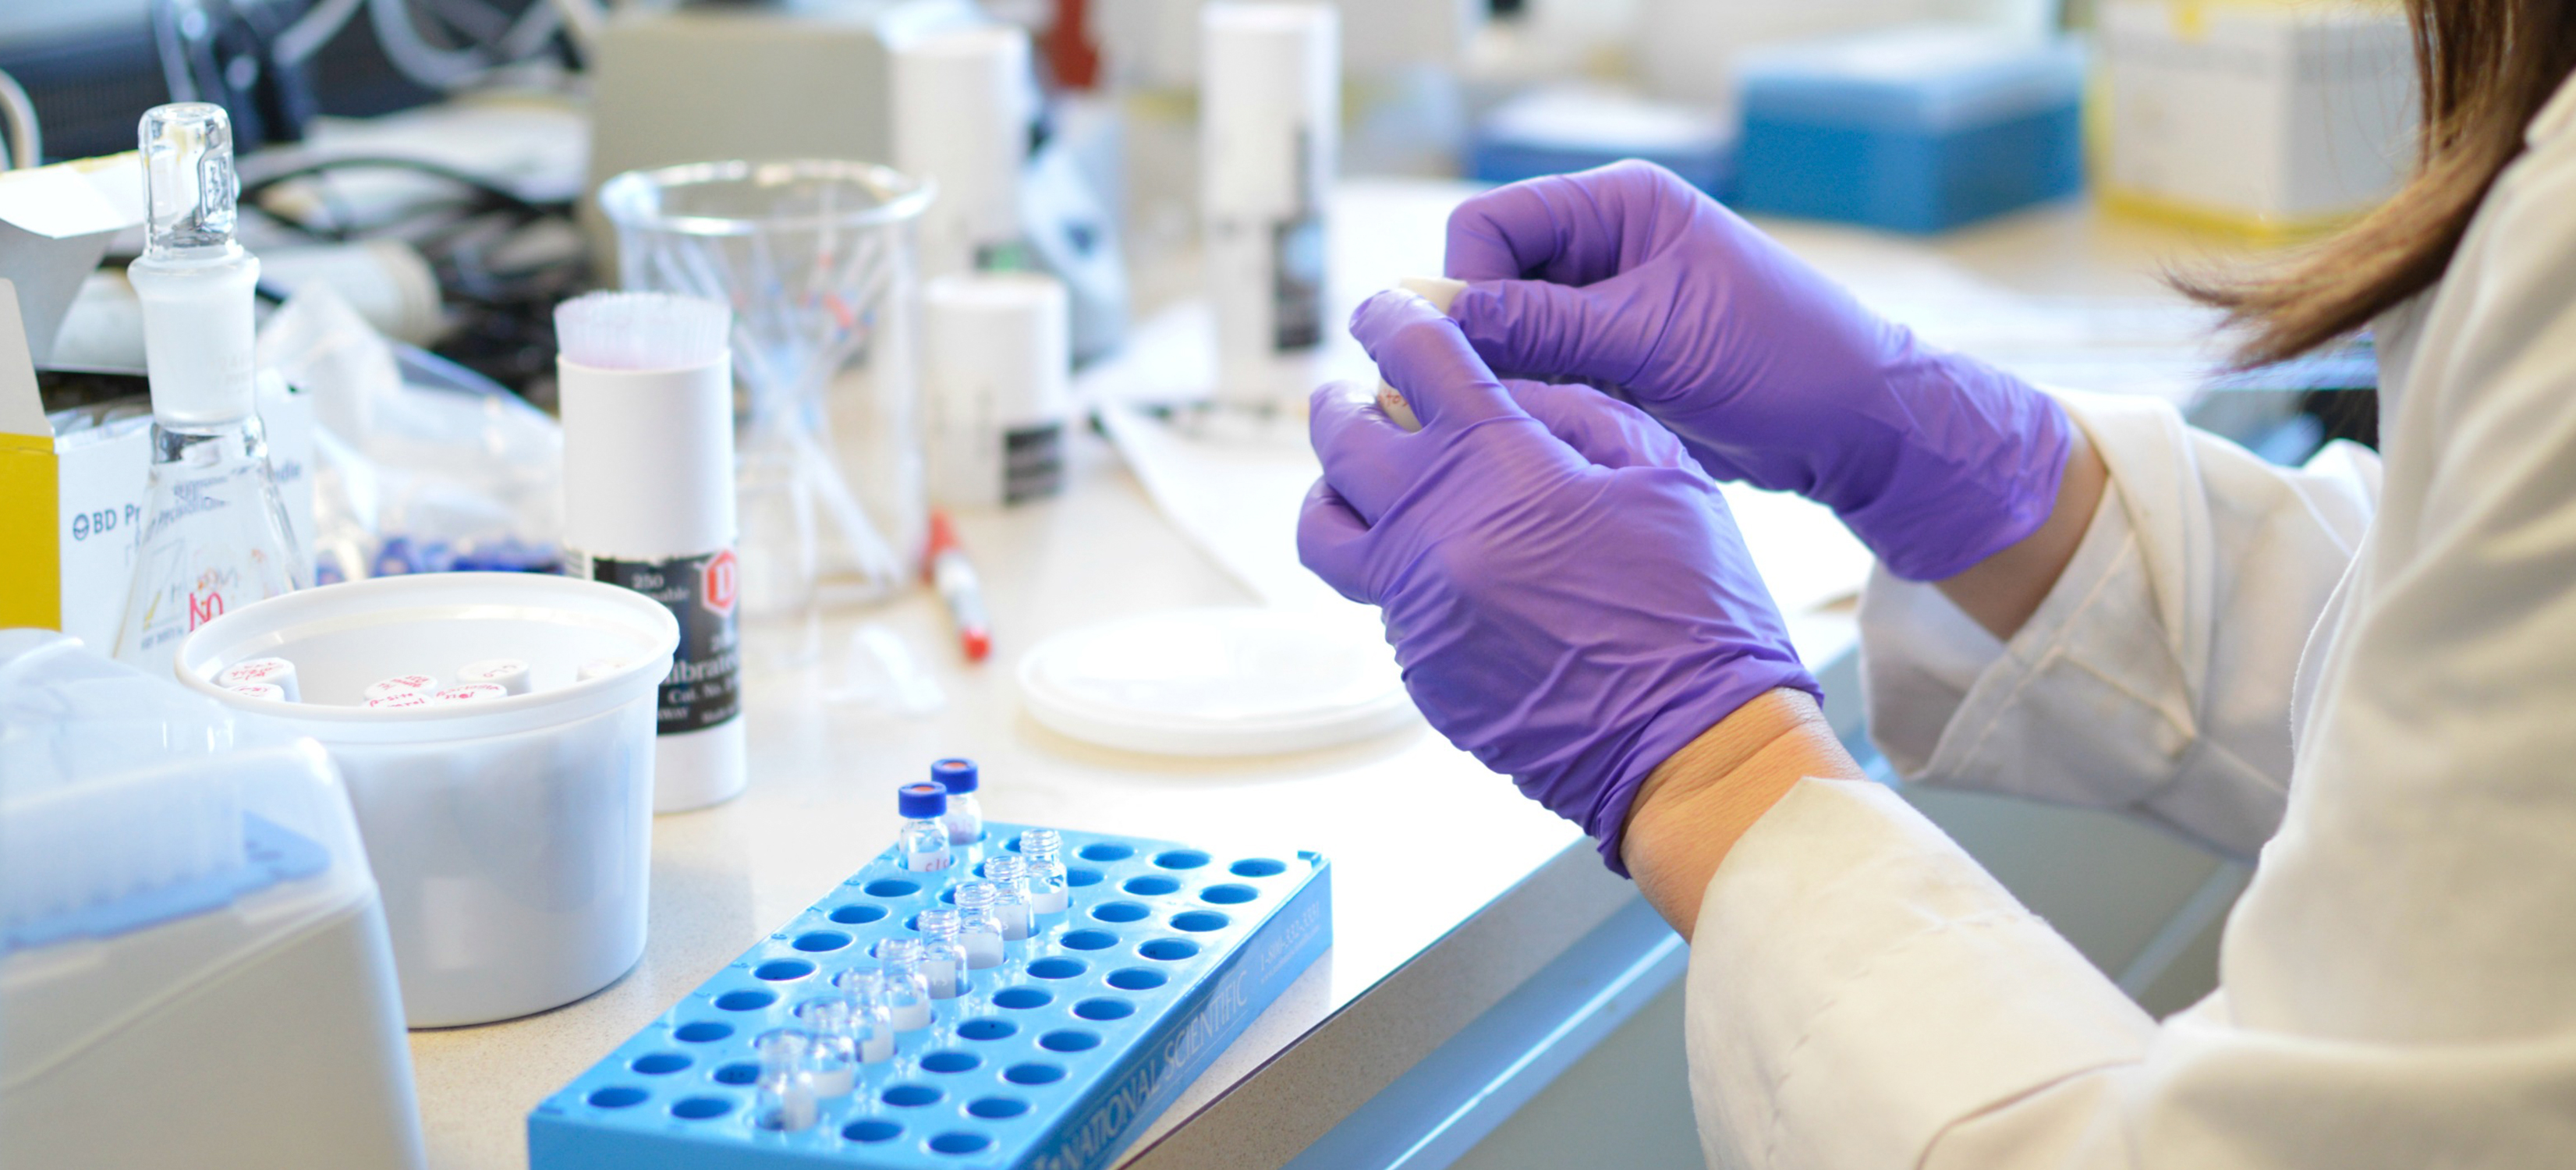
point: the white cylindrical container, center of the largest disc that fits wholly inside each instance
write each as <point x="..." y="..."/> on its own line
<point x="996" y="382"/>
<point x="511" y="836"/>
<point x="962" y="104"/>
<point x="1269" y="107"/>
<point x="647" y="400"/>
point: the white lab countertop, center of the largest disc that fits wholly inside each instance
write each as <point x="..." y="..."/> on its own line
<point x="1449" y="888"/>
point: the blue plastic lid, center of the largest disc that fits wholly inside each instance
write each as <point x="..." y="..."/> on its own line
<point x="919" y="802"/>
<point x="954" y="774"/>
<point x="1926" y="79"/>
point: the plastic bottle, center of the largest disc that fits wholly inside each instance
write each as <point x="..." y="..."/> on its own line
<point x="215" y="534"/>
<point x="924" y="839"/>
<point x="965" y="816"/>
<point x="979" y="927"/>
<point x="1048" y="891"/>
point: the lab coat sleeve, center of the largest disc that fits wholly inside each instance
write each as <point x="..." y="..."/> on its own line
<point x="2156" y="678"/>
<point x="2394" y="986"/>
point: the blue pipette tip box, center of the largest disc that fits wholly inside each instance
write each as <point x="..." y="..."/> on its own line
<point x="1166" y="955"/>
<point x="1911" y="129"/>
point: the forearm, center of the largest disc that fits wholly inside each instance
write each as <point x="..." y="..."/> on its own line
<point x="1698" y="802"/>
<point x="2003" y="590"/>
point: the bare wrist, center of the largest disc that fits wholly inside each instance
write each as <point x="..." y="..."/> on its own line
<point x="1696" y="804"/>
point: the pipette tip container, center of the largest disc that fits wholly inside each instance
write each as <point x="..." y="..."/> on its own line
<point x="1165" y="956"/>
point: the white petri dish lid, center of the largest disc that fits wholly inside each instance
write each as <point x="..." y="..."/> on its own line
<point x="1217" y="682"/>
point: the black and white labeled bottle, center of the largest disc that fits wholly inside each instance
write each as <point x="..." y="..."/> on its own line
<point x="647" y="396"/>
<point x="1269" y="108"/>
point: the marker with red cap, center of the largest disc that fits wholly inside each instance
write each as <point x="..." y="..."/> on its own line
<point x="954" y="576"/>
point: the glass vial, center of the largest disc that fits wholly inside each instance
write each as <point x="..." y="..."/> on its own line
<point x="924" y="840"/>
<point x="979" y="926"/>
<point x="786" y="1098"/>
<point x="907" y="990"/>
<point x="1009" y="874"/>
<point x="943" y="957"/>
<point x="835" y="1055"/>
<point x="871" y="1022"/>
<point x="1043" y="849"/>
<point x="965" y="816"/>
<point x="215" y="535"/>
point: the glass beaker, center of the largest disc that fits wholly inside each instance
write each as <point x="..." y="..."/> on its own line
<point x="816" y="258"/>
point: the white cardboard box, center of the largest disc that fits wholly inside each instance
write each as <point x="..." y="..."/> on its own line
<point x="2268" y="118"/>
<point x="72" y="493"/>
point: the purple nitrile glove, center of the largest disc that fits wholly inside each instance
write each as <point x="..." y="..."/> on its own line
<point x="1770" y="373"/>
<point x="1564" y="588"/>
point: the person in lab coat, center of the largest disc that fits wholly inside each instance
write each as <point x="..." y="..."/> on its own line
<point x="2360" y="672"/>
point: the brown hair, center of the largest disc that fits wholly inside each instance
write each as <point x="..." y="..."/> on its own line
<point x="2483" y="69"/>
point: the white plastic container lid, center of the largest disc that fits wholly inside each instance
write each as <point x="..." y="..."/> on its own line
<point x="1217" y="682"/>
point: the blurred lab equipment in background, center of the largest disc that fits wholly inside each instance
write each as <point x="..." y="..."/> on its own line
<point x="1914" y="129"/>
<point x="995" y="387"/>
<point x="194" y="965"/>
<point x="829" y="450"/>
<point x="963" y="103"/>
<point x="2269" y="120"/>
<point x="1270" y="121"/>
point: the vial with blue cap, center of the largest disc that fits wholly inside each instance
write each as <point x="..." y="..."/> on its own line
<point x="965" y="817"/>
<point x="924" y="840"/>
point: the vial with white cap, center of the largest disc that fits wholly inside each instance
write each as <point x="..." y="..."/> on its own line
<point x="1044" y="851"/>
<point x="469" y="693"/>
<point x="399" y="700"/>
<point x="979" y="927"/>
<point x="265" y="692"/>
<point x="509" y="674"/>
<point x="275" y="672"/>
<point x="401" y="684"/>
<point x="965" y="815"/>
<point x="215" y="536"/>
<point x="924" y="839"/>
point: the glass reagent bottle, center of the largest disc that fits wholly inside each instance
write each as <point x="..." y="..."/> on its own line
<point x="215" y="534"/>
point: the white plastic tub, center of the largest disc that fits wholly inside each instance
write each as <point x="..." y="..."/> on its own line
<point x="511" y="837"/>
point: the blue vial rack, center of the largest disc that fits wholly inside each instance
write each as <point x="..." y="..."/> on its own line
<point x="1166" y="954"/>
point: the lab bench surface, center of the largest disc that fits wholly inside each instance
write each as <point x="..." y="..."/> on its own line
<point x="1450" y="888"/>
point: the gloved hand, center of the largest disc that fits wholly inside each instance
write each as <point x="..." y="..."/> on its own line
<point x="1565" y="590"/>
<point x="1772" y="374"/>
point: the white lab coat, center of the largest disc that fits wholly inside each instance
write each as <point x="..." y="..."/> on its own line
<point x="2369" y="676"/>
